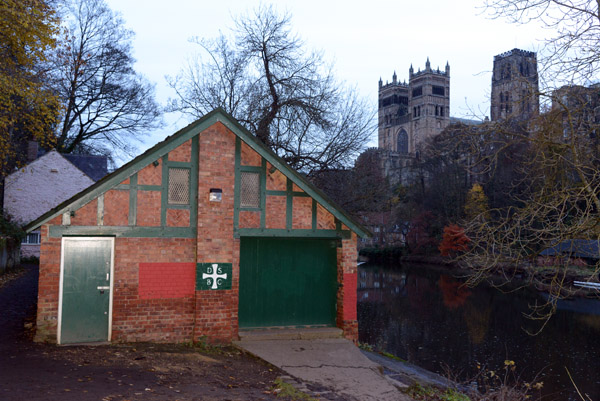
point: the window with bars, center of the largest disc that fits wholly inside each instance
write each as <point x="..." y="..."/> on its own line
<point x="250" y="190"/>
<point x="31" y="239"/>
<point x="179" y="186"/>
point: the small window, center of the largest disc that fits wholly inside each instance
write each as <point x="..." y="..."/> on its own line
<point x="31" y="239"/>
<point x="250" y="190"/>
<point x="179" y="186"/>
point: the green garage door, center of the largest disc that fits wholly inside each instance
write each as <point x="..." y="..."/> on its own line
<point x="287" y="282"/>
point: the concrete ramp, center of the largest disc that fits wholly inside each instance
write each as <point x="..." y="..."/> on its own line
<point x="334" y="363"/>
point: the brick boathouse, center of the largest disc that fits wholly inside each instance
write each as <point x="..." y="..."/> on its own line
<point x="205" y="234"/>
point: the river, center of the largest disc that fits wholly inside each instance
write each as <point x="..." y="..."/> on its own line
<point x="425" y="316"/>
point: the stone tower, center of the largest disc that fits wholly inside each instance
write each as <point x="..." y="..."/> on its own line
<point x="515" y="86"/>
<point x="411" y="113"/>
<point x="430" y="102"/>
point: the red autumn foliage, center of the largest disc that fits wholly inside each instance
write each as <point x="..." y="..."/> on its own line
<point x="454" y="292"/>
<point x="453" y="240"/>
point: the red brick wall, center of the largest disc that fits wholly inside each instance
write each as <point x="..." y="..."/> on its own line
<point x="276" y="181"/>
<point x="249" y="157"/>
<point x="116" y="208"/>
<point x="302" y="213"/>
<point x="325" y="220"/>
<point x="249" y="219"/>
<point x="182" y="153"/>
<point x="178" y="218"/>
<point x="148" y="208"/>
<point x="166" y="280"/>
<point x="216" y="310"/>
<point x="136" y="318"/>
<point x="175" y="311"/>
<point x="150" y="175"/>
<point x="87" y="215"/>
<point x="346" y="311"/>
<point x="49" y="279"/>
<point x="276" y="212"/>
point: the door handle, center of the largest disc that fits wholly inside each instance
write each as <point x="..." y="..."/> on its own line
<point x="103" y="288"/>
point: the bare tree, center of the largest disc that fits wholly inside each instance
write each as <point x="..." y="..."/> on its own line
<point x="572" y="52"/>
<point x="541" y="175"/>
<point x="106" y="102"/>
<point x="283" y="94"/>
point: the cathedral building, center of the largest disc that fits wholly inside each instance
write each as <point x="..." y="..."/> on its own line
<point x="410" y="113"/>
<point x="515" y="86"/>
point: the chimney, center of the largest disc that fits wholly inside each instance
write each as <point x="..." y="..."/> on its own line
<point x="32" y="151"/>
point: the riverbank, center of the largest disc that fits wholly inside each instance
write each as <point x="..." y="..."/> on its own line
<point x="424" y="315"/>
<point x="545" y="279"/>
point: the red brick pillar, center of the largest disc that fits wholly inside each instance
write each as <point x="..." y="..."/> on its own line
<point x="347" y="275"/>
<point x="216" y="316"/>
<point x="47" y="307"/>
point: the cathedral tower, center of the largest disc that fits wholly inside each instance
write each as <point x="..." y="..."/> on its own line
<point x="430" y="103"/>
<point x="515" y="86"/>
<point x="411" y="113"/>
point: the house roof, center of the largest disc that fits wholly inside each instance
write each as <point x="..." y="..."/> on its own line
<point x="575" y="248"/>
<point x="94" y="166"/>
<point x="49" y="180"/>
<point x="182" y="136"/>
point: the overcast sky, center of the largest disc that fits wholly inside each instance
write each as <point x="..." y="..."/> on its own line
<point x="366" y="40"/>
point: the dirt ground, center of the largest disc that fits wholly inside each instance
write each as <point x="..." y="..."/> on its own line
<point x="140" y="371"/>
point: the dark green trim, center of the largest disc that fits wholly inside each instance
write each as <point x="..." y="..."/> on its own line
<point x="300" y="194"/>
<point x="121" y="187"/>
<point x="194" y="184"/>
<point x="259" y="232"/>
<point x="133" y="188"/>
<point x="276" y="193"/>
<point x="236" y="185"/>
<point x="149" y="187"/>
<point x="289" y="205"/>
<point x="184" y="207"/>
<point x="252" y="169"/>
<point x="173" y="164"/>
<point x="114" y="179"/>
<point x="177" y="139"/>
<point x="338" y="224"/>
<point x="263" y="195"/>
<point x="100" y="211"/>
<point x="164" y="194"/>
<point x="250" y="209"/>
<point x="141" y="232"/>
<point x="295" y="176"/>
<point x="314" y="214"/>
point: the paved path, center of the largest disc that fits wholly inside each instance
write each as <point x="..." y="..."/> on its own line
<point x="334" y="362"/>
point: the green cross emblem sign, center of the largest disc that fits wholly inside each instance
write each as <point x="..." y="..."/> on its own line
<point x="213" y="276"/>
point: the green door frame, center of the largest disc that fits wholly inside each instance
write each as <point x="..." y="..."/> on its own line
<point x="111" y="241"/>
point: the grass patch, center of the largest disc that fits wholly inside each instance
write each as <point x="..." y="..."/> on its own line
<point x="203" y="346"/>
<point x="365" y="346"/>
<point x="289" y="392"/>
<point x="428" y="393"/>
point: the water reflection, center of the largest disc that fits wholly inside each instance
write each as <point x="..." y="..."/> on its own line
<point x="429" y="318"/>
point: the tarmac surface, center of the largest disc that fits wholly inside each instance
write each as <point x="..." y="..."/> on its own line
<point x="335" y="363"/>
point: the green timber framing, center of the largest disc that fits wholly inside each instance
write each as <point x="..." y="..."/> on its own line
<point x="161" y="151"/>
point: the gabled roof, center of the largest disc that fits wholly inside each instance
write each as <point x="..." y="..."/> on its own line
<point x="94" y="166"/>
<point x="177" y="139"/>
<point x="41" y="185"/>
